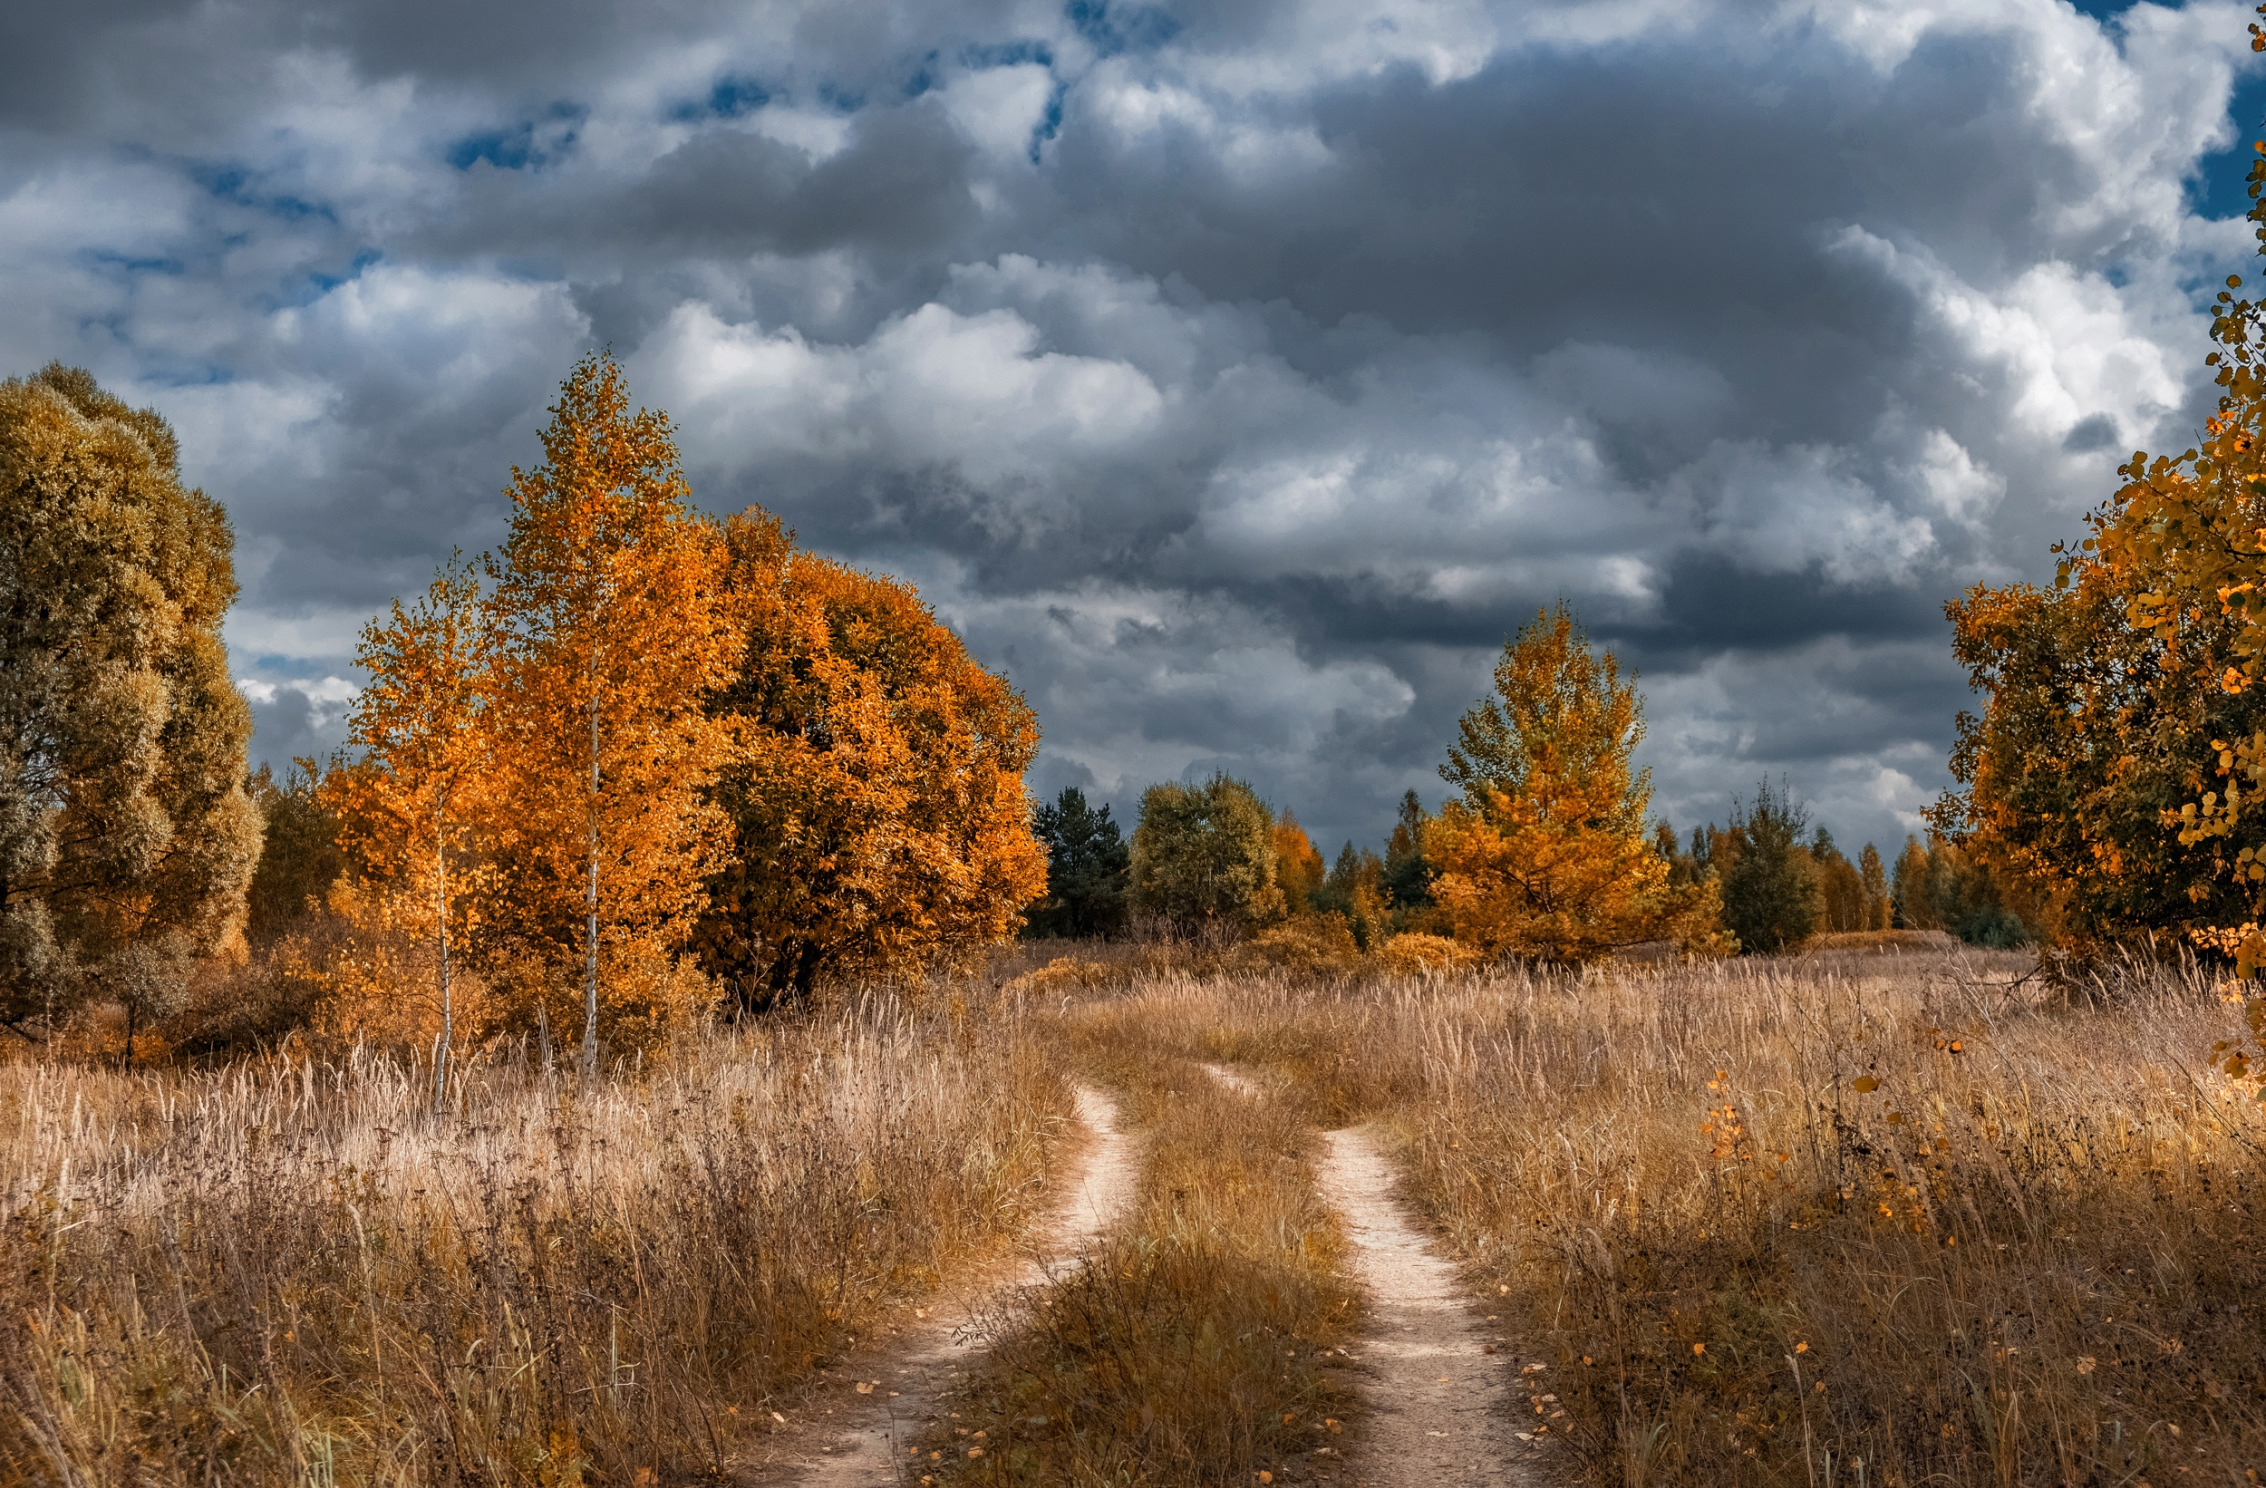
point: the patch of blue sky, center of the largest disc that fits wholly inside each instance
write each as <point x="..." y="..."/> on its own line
<point x="1111" y="29"/>
<point x="2220" y="186"/>
<point x="981" y="57"/>
<point x="316" y="283"/>
<point x="1050" y="120"/>
<point x="135" y="263"/>
<point x="528" y="145"/>
<point x="839" y="99"/>
<point x="187" y="373"/>
<point x="239" y="187"/>
<point x="1006" y="54"/>
<point x="733" y="97"/>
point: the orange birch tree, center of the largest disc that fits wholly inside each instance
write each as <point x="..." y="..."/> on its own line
<point x="410" y="804"/>
<point x="611" y="633"/>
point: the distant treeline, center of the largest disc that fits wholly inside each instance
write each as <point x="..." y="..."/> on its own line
<point x="1532" y="865"/>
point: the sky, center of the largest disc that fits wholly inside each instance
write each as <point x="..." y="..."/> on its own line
<point x="1234" y="376"/>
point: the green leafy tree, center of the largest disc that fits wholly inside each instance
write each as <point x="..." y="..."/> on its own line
<point x="299" y="853"/>
<point x="1407" y="881"/>
<point x="1355" y="888"/>
<point x="1204" y="856"/>
<point x="1771" y="899"/>
<point x="1087" y="863"/>
<point x="126" y="837"/>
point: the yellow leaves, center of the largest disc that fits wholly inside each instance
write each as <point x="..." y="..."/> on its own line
<point x="1866" y="1085"/>
<point x="877" y="797"/>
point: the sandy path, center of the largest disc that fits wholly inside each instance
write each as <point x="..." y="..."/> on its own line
<point x="853" y="1437"/>
<point x="1440" y="1401"/>
<point x="1440" y="1406"/>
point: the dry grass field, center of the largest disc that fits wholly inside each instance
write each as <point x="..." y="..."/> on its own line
<point x="1857" y="1218"/>
<point x="1876" y="1216"/>
<point x="291" y="1273"/>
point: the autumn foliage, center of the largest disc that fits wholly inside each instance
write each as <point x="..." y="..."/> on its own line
<point x="638" y="758"/>
<point x="1546" y="855"/>
<point x="876" y="789"/>
<point x="126" y="837"/>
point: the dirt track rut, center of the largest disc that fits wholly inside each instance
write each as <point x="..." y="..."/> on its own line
<point x="1439" y="1402"/>
<point x="850" y="1437"/>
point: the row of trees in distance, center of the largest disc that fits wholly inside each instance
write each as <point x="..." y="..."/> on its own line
<point x="1545" y="853"/>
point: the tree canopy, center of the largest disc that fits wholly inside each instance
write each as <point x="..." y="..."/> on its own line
<point x="126" y="838"/>
<point x="1204" y="856"/>
<point x="1087" y="863"/>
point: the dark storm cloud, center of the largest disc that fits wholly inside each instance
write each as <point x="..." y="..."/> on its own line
<point x="1236" y="377"/>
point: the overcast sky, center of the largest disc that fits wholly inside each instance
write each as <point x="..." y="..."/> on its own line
<point x="1234" y="376"/>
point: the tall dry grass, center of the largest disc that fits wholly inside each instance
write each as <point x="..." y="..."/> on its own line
<point x="2028" y="1254"/>
<point x="291" y="1272"/>
<point x="1202" y="1345"/>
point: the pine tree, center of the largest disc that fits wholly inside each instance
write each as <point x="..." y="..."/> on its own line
<point x="1407" y="882"/>
<point x="1875" y="883"/>
<point x="1771" y="899"/>
<point x="1547" y="854"/>
<point x="1087" y="866"/>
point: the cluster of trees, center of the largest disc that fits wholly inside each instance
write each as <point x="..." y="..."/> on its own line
<point x="634" y="759"/>
<point x="1214" y="858"/>
<point x="1545" y="854"/>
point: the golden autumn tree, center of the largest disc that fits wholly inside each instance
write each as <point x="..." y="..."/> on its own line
<point x="2181" y="551"/>
<point x="877" y="804"/>
<point x="612" y="631"/>
<point x="1547" y="854"/>
<point x="2091" y="735"/>
<point x="419" y="791"/>
<point x="1298" y="865"/>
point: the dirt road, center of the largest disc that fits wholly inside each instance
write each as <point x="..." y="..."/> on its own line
<point x="1439" y="1401"/>
<point x="857" y="1432"/>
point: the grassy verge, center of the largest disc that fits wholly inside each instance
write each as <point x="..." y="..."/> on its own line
<point x="1199" y="1347"/>
<point x="291" y="1274"/>
<point x="1854" y="1219"/>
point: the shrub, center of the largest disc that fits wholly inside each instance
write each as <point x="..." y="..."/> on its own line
<point x="1414" y="953"/>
